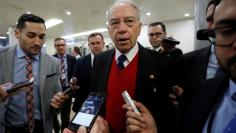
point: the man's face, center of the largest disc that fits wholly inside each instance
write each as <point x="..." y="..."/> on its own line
<point x="156" y="34"/>
<point x="124" y="27"/>
<point x="31" y="38"/>
<point x="225" y="20"/>
<point x="96" y="44"/>
<point x="60" y="46"/>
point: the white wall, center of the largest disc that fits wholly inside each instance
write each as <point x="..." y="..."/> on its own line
<point x="182" y="30"/>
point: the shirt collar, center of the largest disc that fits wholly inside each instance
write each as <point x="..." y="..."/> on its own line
<point x="232" y="87"/>
<point x="92" y="58"/>
<point x="20" y="53"/>
<point x="130" y="55"/>
<point x="64" y="55"/>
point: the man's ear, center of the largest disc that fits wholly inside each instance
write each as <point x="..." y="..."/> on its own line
<point x="17" y="33"/>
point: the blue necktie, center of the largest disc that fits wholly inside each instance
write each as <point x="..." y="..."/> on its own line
<point x="121" y="59"/>
<point x="231" y="127"/>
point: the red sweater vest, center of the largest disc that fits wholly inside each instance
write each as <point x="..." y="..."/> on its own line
<point x="119" y="80"/>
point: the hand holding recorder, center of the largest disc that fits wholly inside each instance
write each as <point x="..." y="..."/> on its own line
<point x="139" y="123"/>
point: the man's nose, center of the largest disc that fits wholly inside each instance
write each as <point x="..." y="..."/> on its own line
<point x="122" y="28"/>
<point x="38" y="41"/>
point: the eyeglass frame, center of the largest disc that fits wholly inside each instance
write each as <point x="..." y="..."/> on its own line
<point x="157" y="34"/>
<point x="212" y="36"/>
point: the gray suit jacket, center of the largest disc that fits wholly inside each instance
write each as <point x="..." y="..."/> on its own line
<point x="49" y="83"/>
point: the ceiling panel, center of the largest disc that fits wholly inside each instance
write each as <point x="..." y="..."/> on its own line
<point x="87" y="14"/>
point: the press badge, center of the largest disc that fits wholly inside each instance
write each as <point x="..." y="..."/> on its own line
<point x="63" y="76"/>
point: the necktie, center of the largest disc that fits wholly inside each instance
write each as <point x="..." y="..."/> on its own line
<point x="121" y="59"/>
<point x="29" y="95"/>
<point x="63" y="69"/>
<point x="231" y="127"/>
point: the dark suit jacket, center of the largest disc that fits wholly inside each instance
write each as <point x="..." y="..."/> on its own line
<point x="205" y="100"/>
<point x="70" y="64"/>
<point x="82" y="72"/>
<point x="150" y="90"/>
<point x="194" y="67"/>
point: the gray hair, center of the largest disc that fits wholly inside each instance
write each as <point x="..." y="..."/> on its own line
<point x="124" y="2"/>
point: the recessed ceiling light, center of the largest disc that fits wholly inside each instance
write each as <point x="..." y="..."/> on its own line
<point x="28" y="12"/>
<point x="68" y="13"/>
<point x="85" y="33"/>
<point x="52" y="22"/>
<point x="148" y="13"/>
<point x="3" y="37"/>
<point x="186" y="14"/>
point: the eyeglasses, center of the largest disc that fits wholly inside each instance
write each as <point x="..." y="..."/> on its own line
<point x="157" y="34"/>
<point x="224" y="36"/>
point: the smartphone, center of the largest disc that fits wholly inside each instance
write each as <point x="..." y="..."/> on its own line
<point x="68" y="91"/>
<point x="12" y="89"/>
<point x="129" y="101"/>
<point x="88" y="112"/>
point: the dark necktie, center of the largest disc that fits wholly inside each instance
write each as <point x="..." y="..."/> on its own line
<point x="63" y="73"/>
<point x="231" y="127"/>
<point x="29" y="95"/>
<point x="121" y="59"/>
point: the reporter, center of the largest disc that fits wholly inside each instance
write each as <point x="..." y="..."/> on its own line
<point x="99" y="126"/>
<point x="143" y="123"/>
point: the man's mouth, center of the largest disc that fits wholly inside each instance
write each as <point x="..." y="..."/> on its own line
<point x="123" y="40"/>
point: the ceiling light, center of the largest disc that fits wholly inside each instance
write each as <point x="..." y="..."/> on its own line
<point x="52" y="22"/>
<point x="85" y="33"/>
<point x="28" y="12"/>
<point x="68" y="13"/>
<point x="186" y="14"/>
<point x="148" y="13"/>
<point x="3" y="37"/>
<point x="8" y="33"/>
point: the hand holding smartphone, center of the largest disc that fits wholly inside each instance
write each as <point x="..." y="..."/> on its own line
<point x="129" y="101"/>
<point x="88" y="112"/>
<point x="13" y="89"/>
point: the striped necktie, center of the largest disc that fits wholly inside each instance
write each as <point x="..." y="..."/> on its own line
<point x="29" y="95"/>
<point x="63" y="71"/>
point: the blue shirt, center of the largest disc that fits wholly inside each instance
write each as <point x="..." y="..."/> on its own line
<point x="212" y="64"/>
<point x="16" y="114"/>
<point x="224" y="112"/>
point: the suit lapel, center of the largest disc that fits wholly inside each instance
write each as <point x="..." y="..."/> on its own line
<point x="9" y="65"/>
<point x="203" y="60"/>
<point x="105" y="64"/>
<point x="42" y="71"/>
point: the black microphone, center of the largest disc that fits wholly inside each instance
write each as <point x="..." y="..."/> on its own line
<point x="202" y="34"/>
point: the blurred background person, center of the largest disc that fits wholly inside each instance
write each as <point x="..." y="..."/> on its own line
<point x="83" y="68"/>
<point x="67" y="65"/>
<point x="76" y="52"/>
<point x="156" y="32"/>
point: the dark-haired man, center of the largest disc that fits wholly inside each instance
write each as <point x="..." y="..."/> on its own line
<point x="213" y="107"/>
<point x="83" y="67"/>
<point x="156" y="32"/>
<point x="30" y="111"/>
